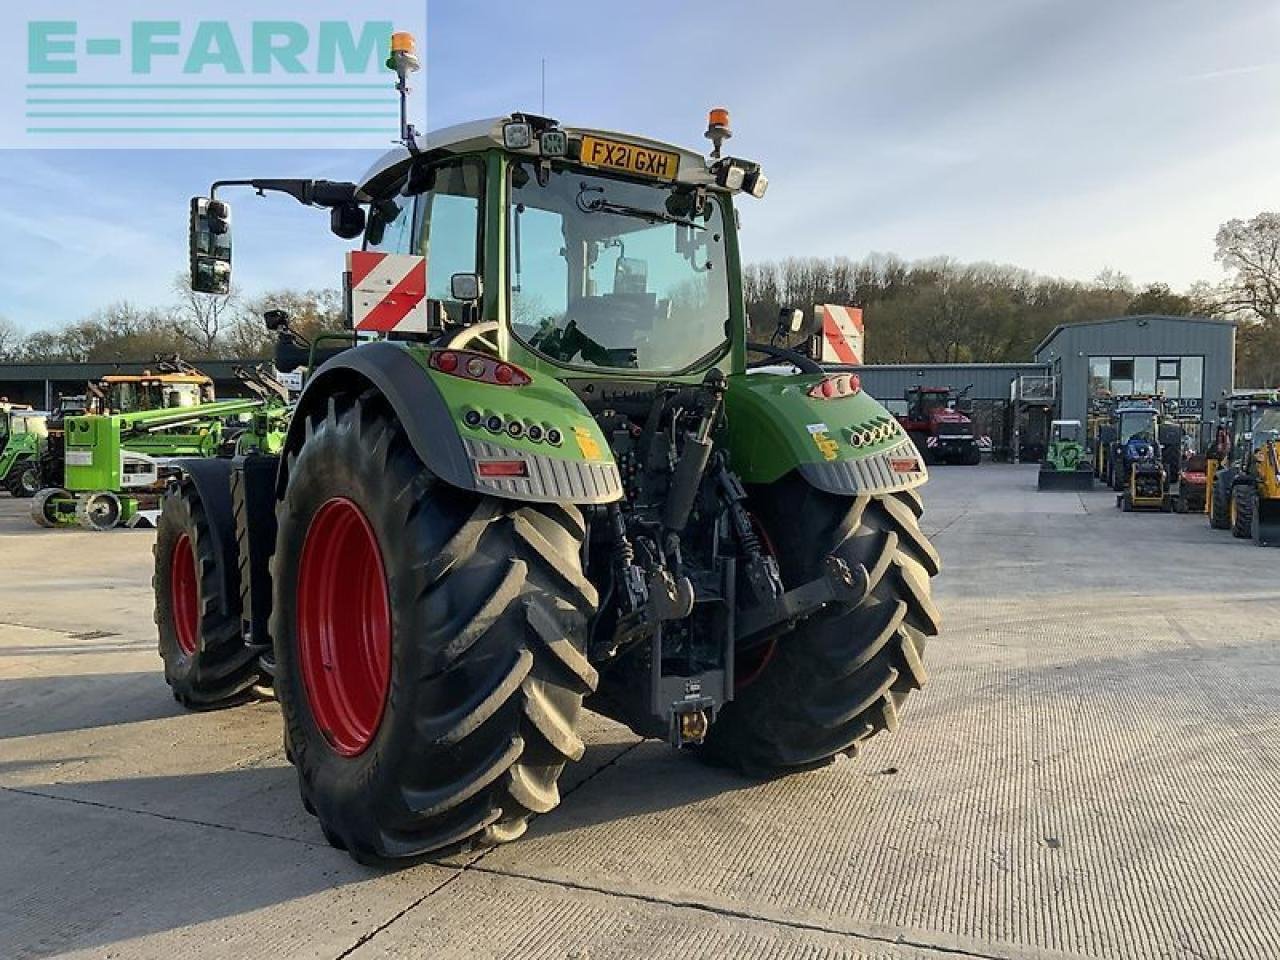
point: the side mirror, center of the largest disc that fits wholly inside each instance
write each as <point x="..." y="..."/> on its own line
<point x="464" y="287"/>
<point x="210" y="246"/>
<point x="793" y="322"/>
<point x="276" y="319"/>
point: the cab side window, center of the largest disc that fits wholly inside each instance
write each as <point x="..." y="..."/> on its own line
<point x="451" y="224"/>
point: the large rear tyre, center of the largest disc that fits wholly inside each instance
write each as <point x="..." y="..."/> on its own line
<point x="842" y="676"/>
<point x="428" y="643"/>
<point x="206" y="661"/>
<point x="1242" y="508"/>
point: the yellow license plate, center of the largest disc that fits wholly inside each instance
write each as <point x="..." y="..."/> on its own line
<point x="614" y="155"/>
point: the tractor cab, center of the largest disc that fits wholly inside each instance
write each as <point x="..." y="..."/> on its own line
<point x="1066" y="431"/>
<point x="136" y="394"/>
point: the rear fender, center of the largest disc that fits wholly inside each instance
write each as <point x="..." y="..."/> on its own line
<point x="848" y="445"/>
<point x="432" y="407"/>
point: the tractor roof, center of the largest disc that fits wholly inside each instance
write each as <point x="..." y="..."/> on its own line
<point x="478" y="135"/>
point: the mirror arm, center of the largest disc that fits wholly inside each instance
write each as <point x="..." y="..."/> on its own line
<point x="312" y="193"/>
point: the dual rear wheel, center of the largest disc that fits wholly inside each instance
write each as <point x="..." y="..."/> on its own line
<point x="429" y="643"/>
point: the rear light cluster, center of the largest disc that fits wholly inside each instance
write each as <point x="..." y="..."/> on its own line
<point x="478" y="367"/>
<point x="837" y="386"/>
<point x="515" y="429"/>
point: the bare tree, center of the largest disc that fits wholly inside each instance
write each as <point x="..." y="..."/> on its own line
<point x="1250" y="251"/>
<point x="200" y="319"/>
<point x="10" y="340"/>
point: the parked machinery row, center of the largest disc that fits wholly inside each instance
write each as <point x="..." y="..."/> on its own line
<point x="102" y="459"/>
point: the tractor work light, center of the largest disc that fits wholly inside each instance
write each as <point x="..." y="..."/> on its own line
<point x="479" y="367"/>
<point x="835" y="387"/>
<point x="517" y="135"/>
<point x="734" y="174"/>
<point x="756" y="183"/>
<point x="553" y="143"/>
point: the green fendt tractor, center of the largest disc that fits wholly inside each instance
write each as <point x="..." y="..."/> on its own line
<point x="557" y="482"/>
<point x="1066" y="465"/>
<point x="22" y="431"/>
<point x="111" y="466"/>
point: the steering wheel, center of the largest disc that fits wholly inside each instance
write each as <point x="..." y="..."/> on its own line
<point x="481" y="337"/>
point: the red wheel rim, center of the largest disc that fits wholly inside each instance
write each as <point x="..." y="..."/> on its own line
<point x="184" y="595"/>
<point x="344" y="626"/>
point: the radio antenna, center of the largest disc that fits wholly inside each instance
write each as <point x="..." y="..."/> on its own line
<point x="544" y="86"/>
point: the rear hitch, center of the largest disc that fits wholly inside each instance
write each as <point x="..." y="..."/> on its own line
<point x="840" y="584"/>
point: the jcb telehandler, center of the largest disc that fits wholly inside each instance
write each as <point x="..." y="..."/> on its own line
<point x="544" y="475"/>
<point x="1245" y="493"/>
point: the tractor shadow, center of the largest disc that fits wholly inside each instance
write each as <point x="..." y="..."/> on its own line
<point x="31" y="706"/>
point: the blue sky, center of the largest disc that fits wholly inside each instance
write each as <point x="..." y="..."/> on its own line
<point x="1065" y="137"/>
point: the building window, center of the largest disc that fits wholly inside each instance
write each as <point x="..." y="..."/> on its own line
<point x="1144" y="375"/>
<point x="1177" y="378"/>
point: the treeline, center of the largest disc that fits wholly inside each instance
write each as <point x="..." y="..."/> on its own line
<point x="945" y="311"/>
<point x="927" y="311"/>
<point x="196" y="326"/>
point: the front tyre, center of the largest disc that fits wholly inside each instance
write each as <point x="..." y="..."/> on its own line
<point x="428" y="643"/>
<point x="1242" y="510"/>
<point x="841" y="676"/>
<point x="23" y="480"/>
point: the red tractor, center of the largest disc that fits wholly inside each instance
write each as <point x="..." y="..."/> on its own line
<point x="936" y="422"/>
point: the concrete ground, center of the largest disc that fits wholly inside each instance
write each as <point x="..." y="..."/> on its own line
<point x="1092" y="771"/>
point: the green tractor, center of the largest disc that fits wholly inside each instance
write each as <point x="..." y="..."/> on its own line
<point x="544" y="476"/>
<point x="22" y="431"/>
<point x="1066" y="465"/>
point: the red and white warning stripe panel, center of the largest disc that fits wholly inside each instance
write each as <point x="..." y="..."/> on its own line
<point x="842" y="333"/>
<point x="388" y="292"/>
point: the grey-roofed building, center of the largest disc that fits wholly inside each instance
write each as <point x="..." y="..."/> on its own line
<point x="1190" y="360"/>
<point x="40" y="384"/>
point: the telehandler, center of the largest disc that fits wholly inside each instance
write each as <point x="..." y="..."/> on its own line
<point x="542" y="475"/>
